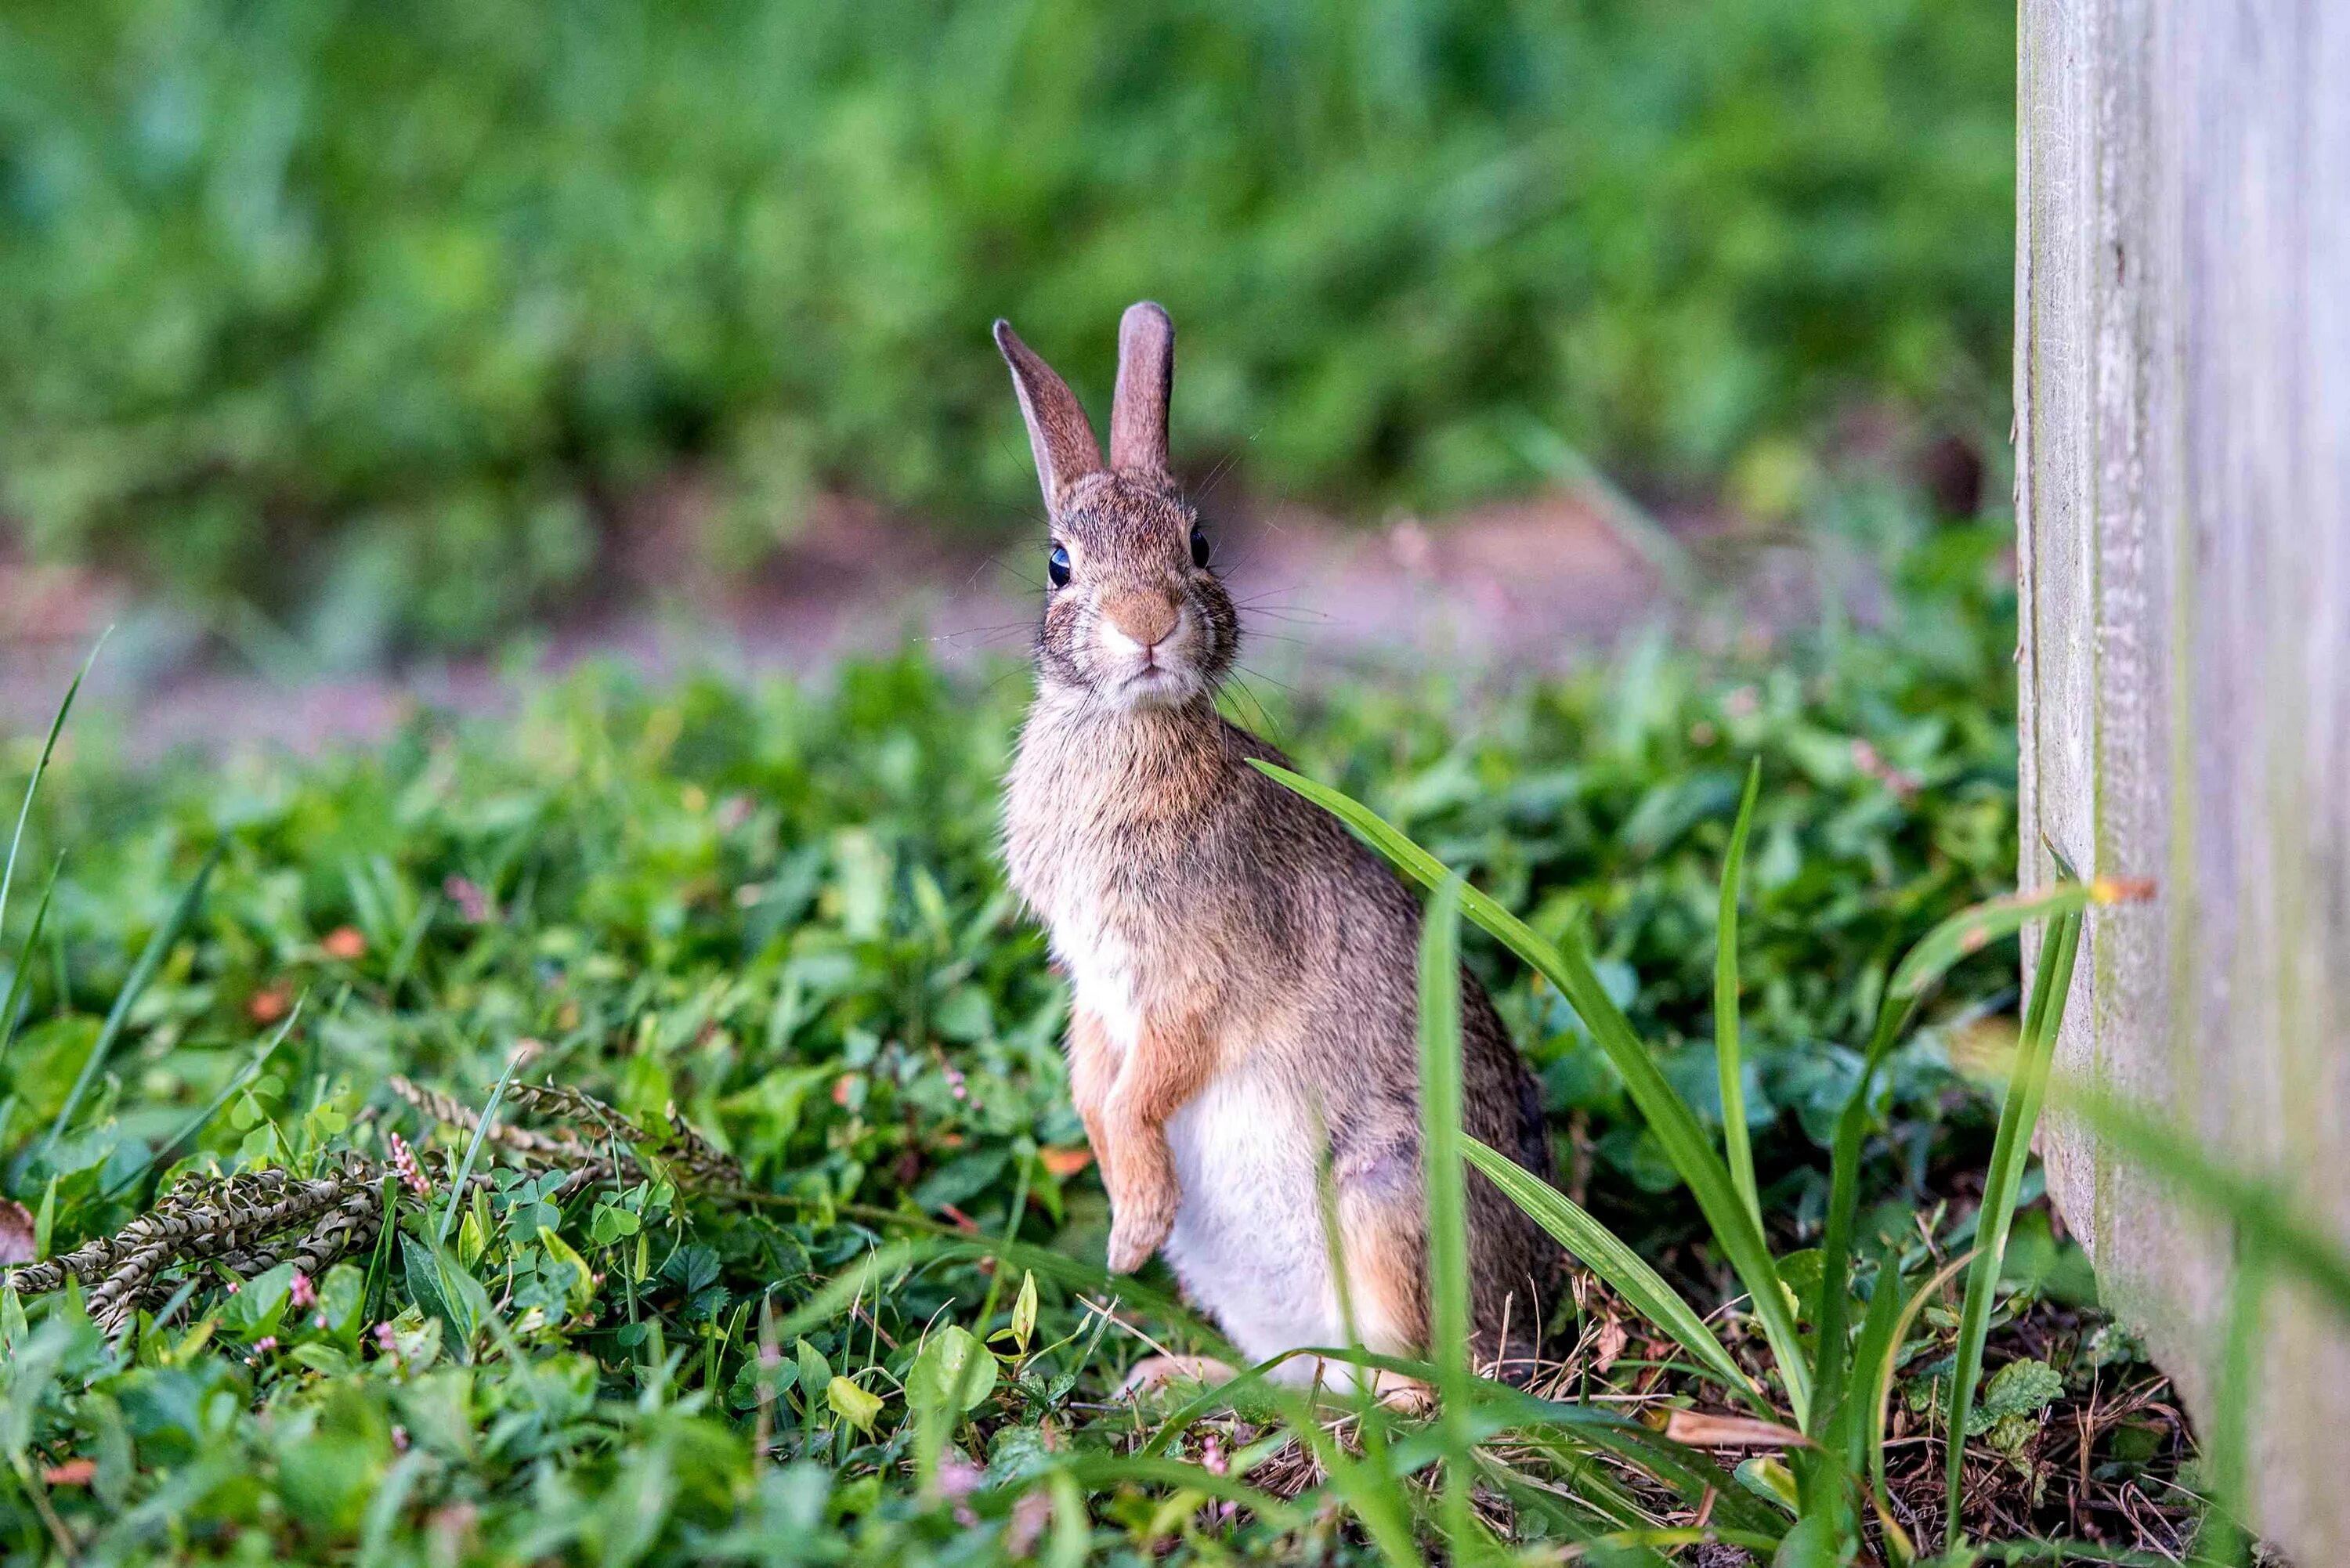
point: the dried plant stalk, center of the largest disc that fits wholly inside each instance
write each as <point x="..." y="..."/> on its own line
<point x="250" y="1221"/>
<point x="448" y="1109"/>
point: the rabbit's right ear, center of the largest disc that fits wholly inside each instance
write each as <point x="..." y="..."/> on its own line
<point x="1057" y="432"/>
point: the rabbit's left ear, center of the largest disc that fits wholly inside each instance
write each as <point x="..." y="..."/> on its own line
<point x="1058" y="435"/>
<point x="1146" y="378"/>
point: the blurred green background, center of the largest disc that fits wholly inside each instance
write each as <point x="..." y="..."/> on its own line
<point x="401" y="311"/>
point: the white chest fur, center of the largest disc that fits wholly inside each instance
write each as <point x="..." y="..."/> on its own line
<point x="1104" y="973"/>
<point x="1248" y="1240"/>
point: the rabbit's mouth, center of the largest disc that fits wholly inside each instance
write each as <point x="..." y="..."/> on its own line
<point x="1159" y="673"/>
<point x="1162" y="683"/>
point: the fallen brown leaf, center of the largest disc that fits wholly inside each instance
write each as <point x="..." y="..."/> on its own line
<point x="1610" y="1344"/>
<point x="1066" y="1163"/>
<point x="1701" y="1429"/>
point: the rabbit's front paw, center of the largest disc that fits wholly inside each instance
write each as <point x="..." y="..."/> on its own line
<point x="1139" y="1228"/>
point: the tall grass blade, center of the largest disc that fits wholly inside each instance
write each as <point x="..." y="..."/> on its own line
<point x="1676" y="1126"/>
<point x="1883" y="1385"/>
<point x="149" y="959"/>
<point x="163" y="1153"/>
<point x="2289" y="1239"/>
<point x="2019" y="1112"/>
<point x="1622" y="1269"/>
<point x="1727" y="1061"/>
<point x="1846" y="1431"/>
<point x="1448" y="1199"/>
<point x="473" y="1148"/>
<point x="33" y="784"/>
<point x="1968" y="931"/>
<point x="11" y="1009"/>
<point x="2235" y="1389"/>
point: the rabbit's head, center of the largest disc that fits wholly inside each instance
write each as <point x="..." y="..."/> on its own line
<point x="1134" y="616"/>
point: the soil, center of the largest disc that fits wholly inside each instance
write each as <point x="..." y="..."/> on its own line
<point x="1536" y="584"/>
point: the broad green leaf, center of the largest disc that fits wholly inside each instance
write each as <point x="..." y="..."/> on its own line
<point x="953" y="1371"/>
<point x="853" y="1405"/>
<point x="582" y="1289"/>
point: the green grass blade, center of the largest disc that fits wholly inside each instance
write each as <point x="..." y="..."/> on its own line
<point x="1727" y="1060"/>
<point x="1968" y="931"/>
<point x="11" y="1010"/>
<point x="162" y="1153"/>
<point x="1847" y="1430"/>
<point x="1676" y="1126"/>
<point x="2221" y="1540"/>
<point x="1977" y="927"/>
<point x="2291" y="1240"/>
<point x="33" y="784"/>
<point x="149" y="959"/>
<point x="473" y="1148"/>
<point x="2019" y="1112"/>
<point x="1448" y="1199"/>
<point x="1688" y="1473"/>
<point x="1902" y="1323"/>
<point x="1621" y="1269"/>
<point x="1105" y="1471"/>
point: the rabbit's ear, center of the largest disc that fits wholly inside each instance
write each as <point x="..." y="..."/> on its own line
<point x="1146" y="378"/>
<point x="1057" y="432"/>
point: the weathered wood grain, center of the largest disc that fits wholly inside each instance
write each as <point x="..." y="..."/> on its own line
<point x="2183" y="492"/>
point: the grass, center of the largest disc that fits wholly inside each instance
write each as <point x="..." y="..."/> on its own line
<point x="385" y="321"/>
<point x="799" y="1263"/>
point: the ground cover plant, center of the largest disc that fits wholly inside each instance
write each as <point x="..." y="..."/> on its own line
<point x="384" y="318"/>
<point x="729" y="1205"/>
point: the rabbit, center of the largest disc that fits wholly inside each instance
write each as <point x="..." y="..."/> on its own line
<point x="1243" y="971"/>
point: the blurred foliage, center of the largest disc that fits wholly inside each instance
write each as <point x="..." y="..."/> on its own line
<point x="389" y="312"/>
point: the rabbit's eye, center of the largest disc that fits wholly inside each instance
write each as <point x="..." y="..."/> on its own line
<point x="1199" y="547"/>
<point x="1056" y="565"/>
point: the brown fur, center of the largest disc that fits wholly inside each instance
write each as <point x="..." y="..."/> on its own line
<point x="1234" y="927"/>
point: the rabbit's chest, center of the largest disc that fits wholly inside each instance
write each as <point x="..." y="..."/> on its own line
<point x="1129" y="944"/>
<point x="1107" y="976"/>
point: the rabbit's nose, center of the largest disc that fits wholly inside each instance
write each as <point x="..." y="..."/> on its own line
<point x="1145" y="619"/>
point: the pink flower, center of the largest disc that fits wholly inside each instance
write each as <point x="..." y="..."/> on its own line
<point x="400" y="1439"/>
<point x="471" y="901"/>
<point x="265" y="1344"/>
<point x="1213" y="1459"/>
<point x="403" y="1161"/>
<point x="1865" y="759"/>
<point x="303" y="1293"/>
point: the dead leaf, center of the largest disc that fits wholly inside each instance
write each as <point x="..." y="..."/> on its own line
<point x="1702" y="1430"/>
<point x="16" y="1233"/>
<point x="73" y="1472"/>
<point x="1066" y="1163"/>
<point x="1610" y="1344"/>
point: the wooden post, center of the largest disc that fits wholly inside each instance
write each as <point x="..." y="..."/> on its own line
<point x="2182" y="384"/>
